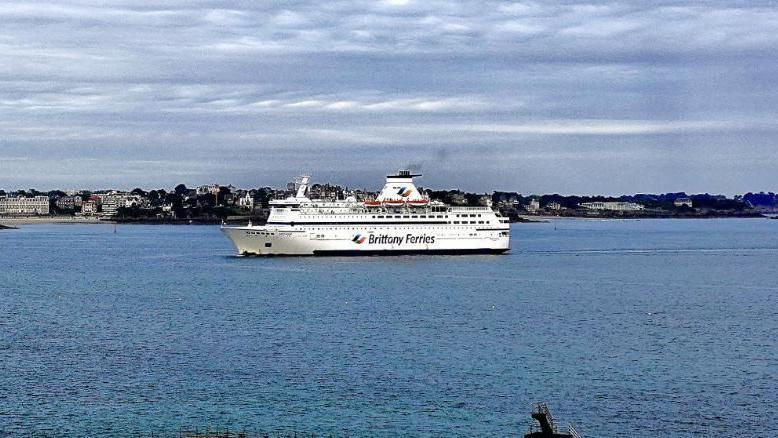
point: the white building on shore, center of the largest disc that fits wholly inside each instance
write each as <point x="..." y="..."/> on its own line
<point x="35" y="205"/>
<point x="111" y="204"/>
<point x="213" y="189"/>
<point x="69" y="202"/>
<point x="533" y="206"/>
<point x="113" y="201"/>
<point x="89" y="208"/>
<point x="611" y="206"/>
<point x="246" y="201"/>
<point x="683" y="202"/>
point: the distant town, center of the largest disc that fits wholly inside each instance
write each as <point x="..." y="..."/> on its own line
<point x="217" y="203"/>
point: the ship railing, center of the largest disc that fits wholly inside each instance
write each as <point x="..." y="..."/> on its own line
<point x="469" y="208"/>
<point x="359" y="210"/>
<point x="542" y="408"/>
<point x="303" y="211"/>
<point x="321" y="211"/>
<point x="572" y="432"/>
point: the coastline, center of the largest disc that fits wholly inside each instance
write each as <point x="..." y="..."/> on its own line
<point x="612" y="216"/>
<point x="14" y="221"/>
<point x="529" y="218"/>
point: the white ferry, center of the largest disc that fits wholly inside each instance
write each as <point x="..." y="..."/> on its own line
<point x="400" y="220"/>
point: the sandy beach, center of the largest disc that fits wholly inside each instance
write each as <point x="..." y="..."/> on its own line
<point x="15" y="221"/>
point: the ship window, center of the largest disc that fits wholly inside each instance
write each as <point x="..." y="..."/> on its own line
<point x="424" y="216"/>
<point x="480" y="222"/>
<point x="405" y="216"/>
<point x="456" y="222"/>
<point x="268" y="245"/>
<point x="472" y="215"/>
<point x="397" y="217"/>
<point x="414" y="217"/>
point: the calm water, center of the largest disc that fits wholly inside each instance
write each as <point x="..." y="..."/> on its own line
<point x="659" y="328"/>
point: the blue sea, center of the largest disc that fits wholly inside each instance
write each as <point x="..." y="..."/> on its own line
<point x="625" y="328"/>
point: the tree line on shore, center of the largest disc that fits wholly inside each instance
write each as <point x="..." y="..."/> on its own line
<point x="222" y="201"/>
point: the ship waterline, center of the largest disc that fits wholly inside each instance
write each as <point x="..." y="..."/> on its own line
<point x="399" y="221"/>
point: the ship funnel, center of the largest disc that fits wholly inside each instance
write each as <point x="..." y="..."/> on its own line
<point x="400" y="187"/>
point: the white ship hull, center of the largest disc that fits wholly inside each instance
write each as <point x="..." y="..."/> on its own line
<point x="263" y="240"/>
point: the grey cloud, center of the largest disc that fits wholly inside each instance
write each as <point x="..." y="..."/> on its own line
<point x="680" y="87"/>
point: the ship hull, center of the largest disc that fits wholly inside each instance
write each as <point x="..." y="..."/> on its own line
<point x="358" y="241"/>
<point x="368" y="252"/>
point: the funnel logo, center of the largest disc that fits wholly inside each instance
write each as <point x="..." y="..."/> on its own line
<point x="404" y="192"/>
<point x="359" y="239"/>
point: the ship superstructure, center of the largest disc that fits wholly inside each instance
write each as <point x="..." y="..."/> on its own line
<point x="400" y="220"/>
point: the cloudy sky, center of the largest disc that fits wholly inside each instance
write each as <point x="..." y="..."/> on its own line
<point x="554" y="96"/>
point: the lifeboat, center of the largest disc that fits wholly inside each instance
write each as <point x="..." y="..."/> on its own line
<point x="418" y="202"/>
<point x="394" y="202"/>
<point x="372" y="203"/>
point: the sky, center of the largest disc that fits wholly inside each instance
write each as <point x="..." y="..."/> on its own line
<point x="568" y="97"/>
